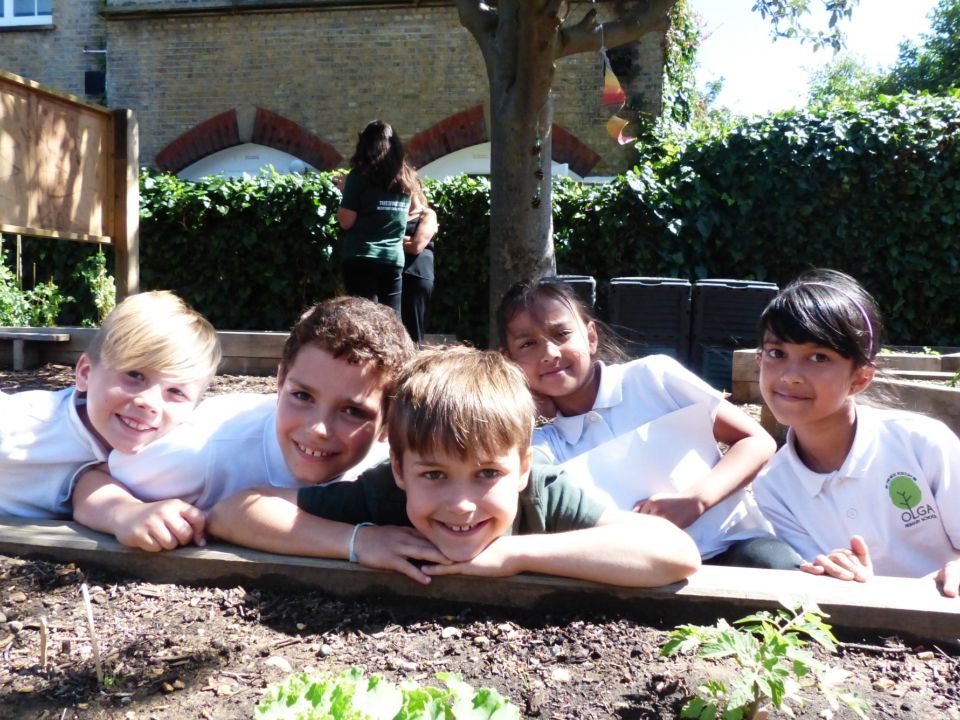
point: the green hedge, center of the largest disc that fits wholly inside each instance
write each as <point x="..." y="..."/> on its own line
<point x="869" y="189"/>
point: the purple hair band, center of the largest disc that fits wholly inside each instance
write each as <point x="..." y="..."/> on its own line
<point x="856" y="304"/>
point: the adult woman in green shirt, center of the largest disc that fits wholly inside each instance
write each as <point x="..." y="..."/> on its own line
<point x="373" y="214"/>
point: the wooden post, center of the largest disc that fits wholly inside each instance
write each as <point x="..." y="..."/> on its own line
<point x="126" y="203"/>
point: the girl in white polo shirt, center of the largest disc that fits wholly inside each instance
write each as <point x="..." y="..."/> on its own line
<point x="856" y="490"/>
<point x="594" y="406"/>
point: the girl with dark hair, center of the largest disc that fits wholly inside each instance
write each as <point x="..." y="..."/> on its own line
<point x="597" y="399"/>
<point x="855" y="490"/>
<point x="373" y="214"/>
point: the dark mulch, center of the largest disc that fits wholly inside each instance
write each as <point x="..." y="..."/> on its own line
<point x="178" y="652"/>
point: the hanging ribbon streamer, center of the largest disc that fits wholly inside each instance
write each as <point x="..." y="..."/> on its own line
<point x="614" y="99"/>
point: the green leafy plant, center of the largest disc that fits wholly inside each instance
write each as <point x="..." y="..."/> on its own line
<point x="351" y="696"/>
<point x="37" y="307"/>
<point x="93" y="271"/>
<point x="773" y="662"/>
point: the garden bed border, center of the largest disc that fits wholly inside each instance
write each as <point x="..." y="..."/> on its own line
<point x="905" y="606"/>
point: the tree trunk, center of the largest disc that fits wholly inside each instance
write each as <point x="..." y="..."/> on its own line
<point x="520" y="40"/>
<point x="521" y="221"/>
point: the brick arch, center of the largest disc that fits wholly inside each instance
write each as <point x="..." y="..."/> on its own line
<point x="567" y="148"/>
<point x="224" y="130"/>
<point x="453" y="133"/>
<point x="468" y="128"/>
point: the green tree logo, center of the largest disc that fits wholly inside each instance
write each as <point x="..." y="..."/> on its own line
<point x="904" y="492"/>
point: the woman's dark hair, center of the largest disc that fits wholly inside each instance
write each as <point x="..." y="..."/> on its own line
<point x="381" y="160"/>
<point x="827" y="308"/>
<point x="523" y="296"/>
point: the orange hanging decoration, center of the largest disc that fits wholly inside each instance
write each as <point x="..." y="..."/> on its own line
<point x="614" y="99"/>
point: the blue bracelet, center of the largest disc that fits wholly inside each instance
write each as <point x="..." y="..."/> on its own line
<point x="352" y="551"/>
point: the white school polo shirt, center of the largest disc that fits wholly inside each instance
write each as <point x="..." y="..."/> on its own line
<point x="667" y="455"/>
<point x="630" y="395"/>
<point x="644" y="408"/>
<point x="43" y="444"/>
<point x="230" y="444"/>
<point x="898" y="488"/>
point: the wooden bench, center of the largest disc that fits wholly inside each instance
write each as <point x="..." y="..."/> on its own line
<point x="893" y="605"/>
<point x="21" y="360"/>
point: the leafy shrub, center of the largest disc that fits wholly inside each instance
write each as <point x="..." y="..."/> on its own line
<point x="102" y="287"/>
<point x="771" y="659"/>
<point x="350" y="696"/>
<point x="37" y="307"/>
<point x="870" y="188"/>
<point x="249" y="253"/>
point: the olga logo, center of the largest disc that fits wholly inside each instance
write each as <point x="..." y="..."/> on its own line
<point x="906" y="495"/>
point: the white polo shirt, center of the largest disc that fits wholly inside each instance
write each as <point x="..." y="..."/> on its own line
<point x="898" y="488"/>
<point x="228" y="445"/>
<point x="43" y="444"/>
<point x="630" y="395"/>
<point x="651" y="431"/>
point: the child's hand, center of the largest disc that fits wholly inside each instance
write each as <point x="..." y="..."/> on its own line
<point x="390" y="547"/>
<point x="494" y="561"/>
<point x="843" y="564"/>
<point x="949" y="576"/>
<point x="161" y="525"/>
<point x="682" y="511"/>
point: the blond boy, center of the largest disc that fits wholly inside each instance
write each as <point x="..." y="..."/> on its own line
<point x="141" y="376"/>
<point x="336" y="372"/>
<point x="460" y="494"/>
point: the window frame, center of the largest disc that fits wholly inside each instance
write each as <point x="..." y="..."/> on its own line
<point x="9" y="20"/>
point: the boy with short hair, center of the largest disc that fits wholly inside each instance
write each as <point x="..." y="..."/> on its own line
<point x="141" y="376"/>
<point x="462" y="495"/>
<point x="336" y="373"/>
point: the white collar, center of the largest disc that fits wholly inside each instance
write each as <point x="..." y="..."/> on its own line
<point x="609" y="394"/>
<point x="853" y="465"/>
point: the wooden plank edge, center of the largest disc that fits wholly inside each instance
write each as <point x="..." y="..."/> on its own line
<point x="34" y="336"/>
<point x="55" y="234"/>
<point x="905" y="606"/>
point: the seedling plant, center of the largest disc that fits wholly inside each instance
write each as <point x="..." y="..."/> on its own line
<point x="774" y="664"/>
<point x="351" y="696"/>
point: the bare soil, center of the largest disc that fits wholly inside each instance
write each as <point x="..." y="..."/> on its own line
<point x="179" y="652"/>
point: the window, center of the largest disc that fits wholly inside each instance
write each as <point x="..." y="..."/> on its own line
<point x="25" y="13"/>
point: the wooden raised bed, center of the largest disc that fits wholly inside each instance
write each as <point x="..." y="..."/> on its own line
<point x="911" y="606"/>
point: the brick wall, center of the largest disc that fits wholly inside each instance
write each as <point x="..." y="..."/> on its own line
<point x="54" y="56"/>
<point x="326" y="70"/>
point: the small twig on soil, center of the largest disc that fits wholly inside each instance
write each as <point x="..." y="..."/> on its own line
<point x="43" y="643"/>
<point x="239" y="677"/>
<point x="93" y="632"/>
<point x="895" y="649"/>
<point x="285" y="643"/>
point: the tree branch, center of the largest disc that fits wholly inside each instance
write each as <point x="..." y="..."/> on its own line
<point x="480" y="20"/>
<point x="632" y="23"/>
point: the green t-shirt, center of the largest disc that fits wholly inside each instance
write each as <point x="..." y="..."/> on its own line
<point x="550" y="502"/>
<point x="381" y="220"/>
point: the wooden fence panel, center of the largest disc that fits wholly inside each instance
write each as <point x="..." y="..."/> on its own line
<point x="68" y="170"/>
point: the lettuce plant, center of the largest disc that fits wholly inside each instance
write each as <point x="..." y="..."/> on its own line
<point x="351" y="696"/>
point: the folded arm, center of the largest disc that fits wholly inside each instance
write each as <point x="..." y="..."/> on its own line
<point x="426" y="229"/>
<point x="623" y="549"/>
<point x="749" y="448"/>
<point x="101" y="503"/>
<point x="269" y="519"/>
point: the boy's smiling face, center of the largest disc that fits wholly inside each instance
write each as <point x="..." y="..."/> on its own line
<point x="329" y="413"/>
<point x="130" y="409"/>
<point x="461" y="504"/>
